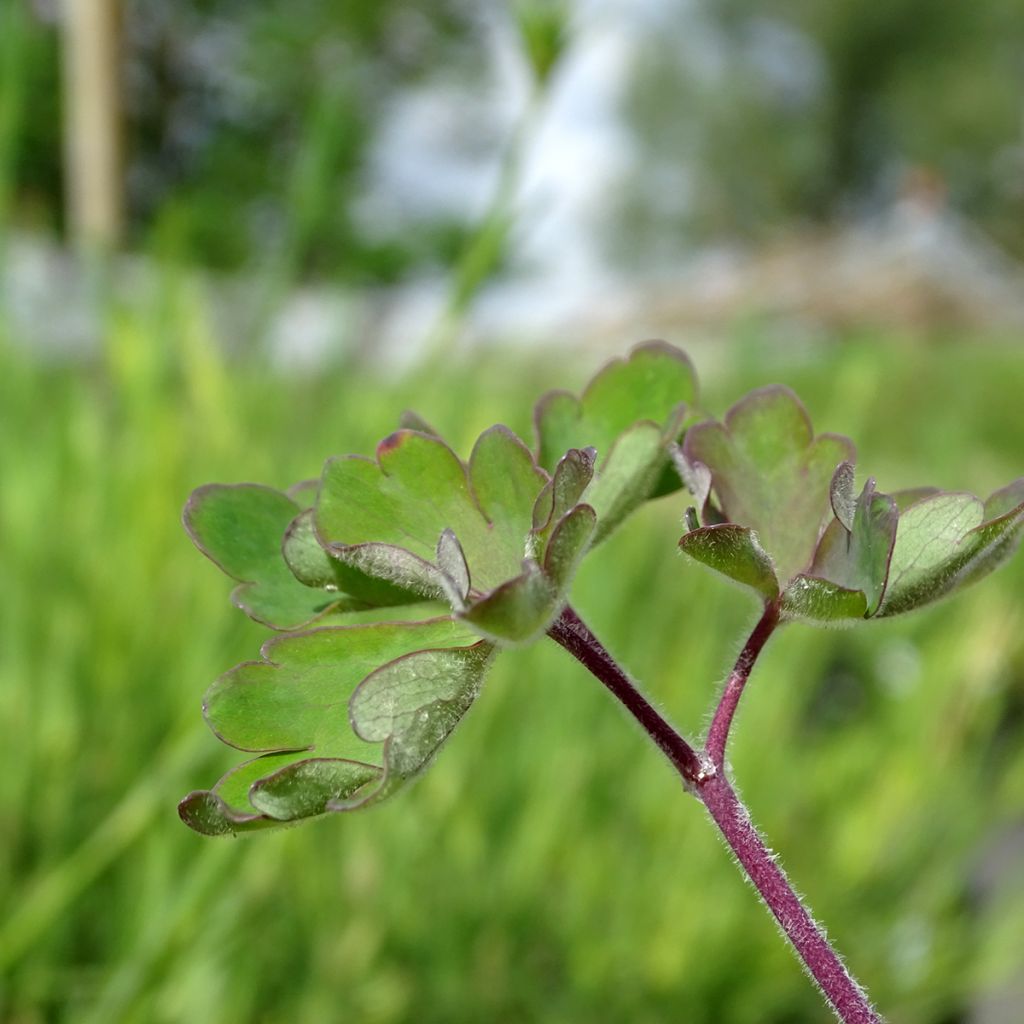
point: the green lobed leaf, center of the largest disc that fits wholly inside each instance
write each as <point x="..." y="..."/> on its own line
<point x="927" y="538"/>
<point x="946" y="541"/>
<point x="736" y="552"/>
<point x="629" y="413"/>
<point x="313" y="566"/>
<point x="239" y="527"/>
<point x="570" y="539"/>
<point x="771" y="473"/>
<point x="626" y="477"/>
<point x="414" y="703"/>
<point x="650" y="384"/>
<point x="295" y="705"/>
<point x="821" y="602"/>
<point x="858" y="557"/>
<point x="384" y="517"/>
<point x="517" y="611"/>
<point x="506" y="482"/>
<point x="570" y="479"/>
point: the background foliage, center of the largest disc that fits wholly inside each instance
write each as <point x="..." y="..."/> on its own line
<point x="549" y="868"/>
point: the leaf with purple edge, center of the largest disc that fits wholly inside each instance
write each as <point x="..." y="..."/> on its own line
<point x="858" y="557"/>
<point x="384" y="517"/>
<point x="295" y="704"/>
<point x="313" y="566"/>
<point x="736" y="552"/>
<point x="239" y="527"/>
<point x="517" y="611"/>
<point x="821" y="602"/>
<point x="650" y="384"/>
<point x="949" y="540"/>
<point x="770" y="473"/>
<point x="414" y="704"/>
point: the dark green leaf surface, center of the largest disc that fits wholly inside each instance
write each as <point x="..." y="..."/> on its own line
<point x="240" y="528"/>
<point x="771" y="473"/>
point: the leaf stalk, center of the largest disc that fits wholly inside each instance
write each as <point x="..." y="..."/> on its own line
<point x="703" y="773"/>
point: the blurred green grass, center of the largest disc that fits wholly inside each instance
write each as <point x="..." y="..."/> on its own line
<point x="549" y="867"/>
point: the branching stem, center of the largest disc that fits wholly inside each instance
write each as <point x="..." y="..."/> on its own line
<point x="704" y="775"/>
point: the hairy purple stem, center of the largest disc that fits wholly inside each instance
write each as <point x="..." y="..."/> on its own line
<point x="718" y="734"/>
<point x="706" y="779"/>
<point x="572" y="633"/>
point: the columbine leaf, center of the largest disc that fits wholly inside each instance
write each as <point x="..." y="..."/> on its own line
<point x="735" y="552"/>
<point x="519" y="610"/>
<point x="822" y="602"/>
<point x="307" y="788"/>
<point x="225" y="809"/>
<point x="858" y="557"/>
<point x="629" y="413"/>
<point x="295" y="705"/>
<point x="506" y="482"/>
<point x="314" y="567"/>
<point x="384" y="517"/>
<point x="947" y="540"/>
<point x="648" y="385"/>
<point x="771" y="473"/>
<point x="626" y="477"/>
<point x="239" y="528"/>
<point x="927" y="539"/>
<point x="570" y="538"/>
<point x="570" y="479"/>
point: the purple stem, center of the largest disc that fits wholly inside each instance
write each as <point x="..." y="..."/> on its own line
<point x="706" y="779"/>
<point x="718" y="734"/>
<point x="572" y="633"/>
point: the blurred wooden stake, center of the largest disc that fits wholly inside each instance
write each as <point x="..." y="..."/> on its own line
<point x="92" y="113"/>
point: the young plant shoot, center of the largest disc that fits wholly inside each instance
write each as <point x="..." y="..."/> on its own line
<point x="468" y="558"/>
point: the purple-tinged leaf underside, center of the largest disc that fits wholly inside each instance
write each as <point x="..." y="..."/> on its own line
<point x="858" y="557"/>
<point x="315" y="706"/>
<point x="770" y="473"/>
<point x="736" y="552"/>
<point x="947" y="540"/>
<point x="368" y="512"/>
